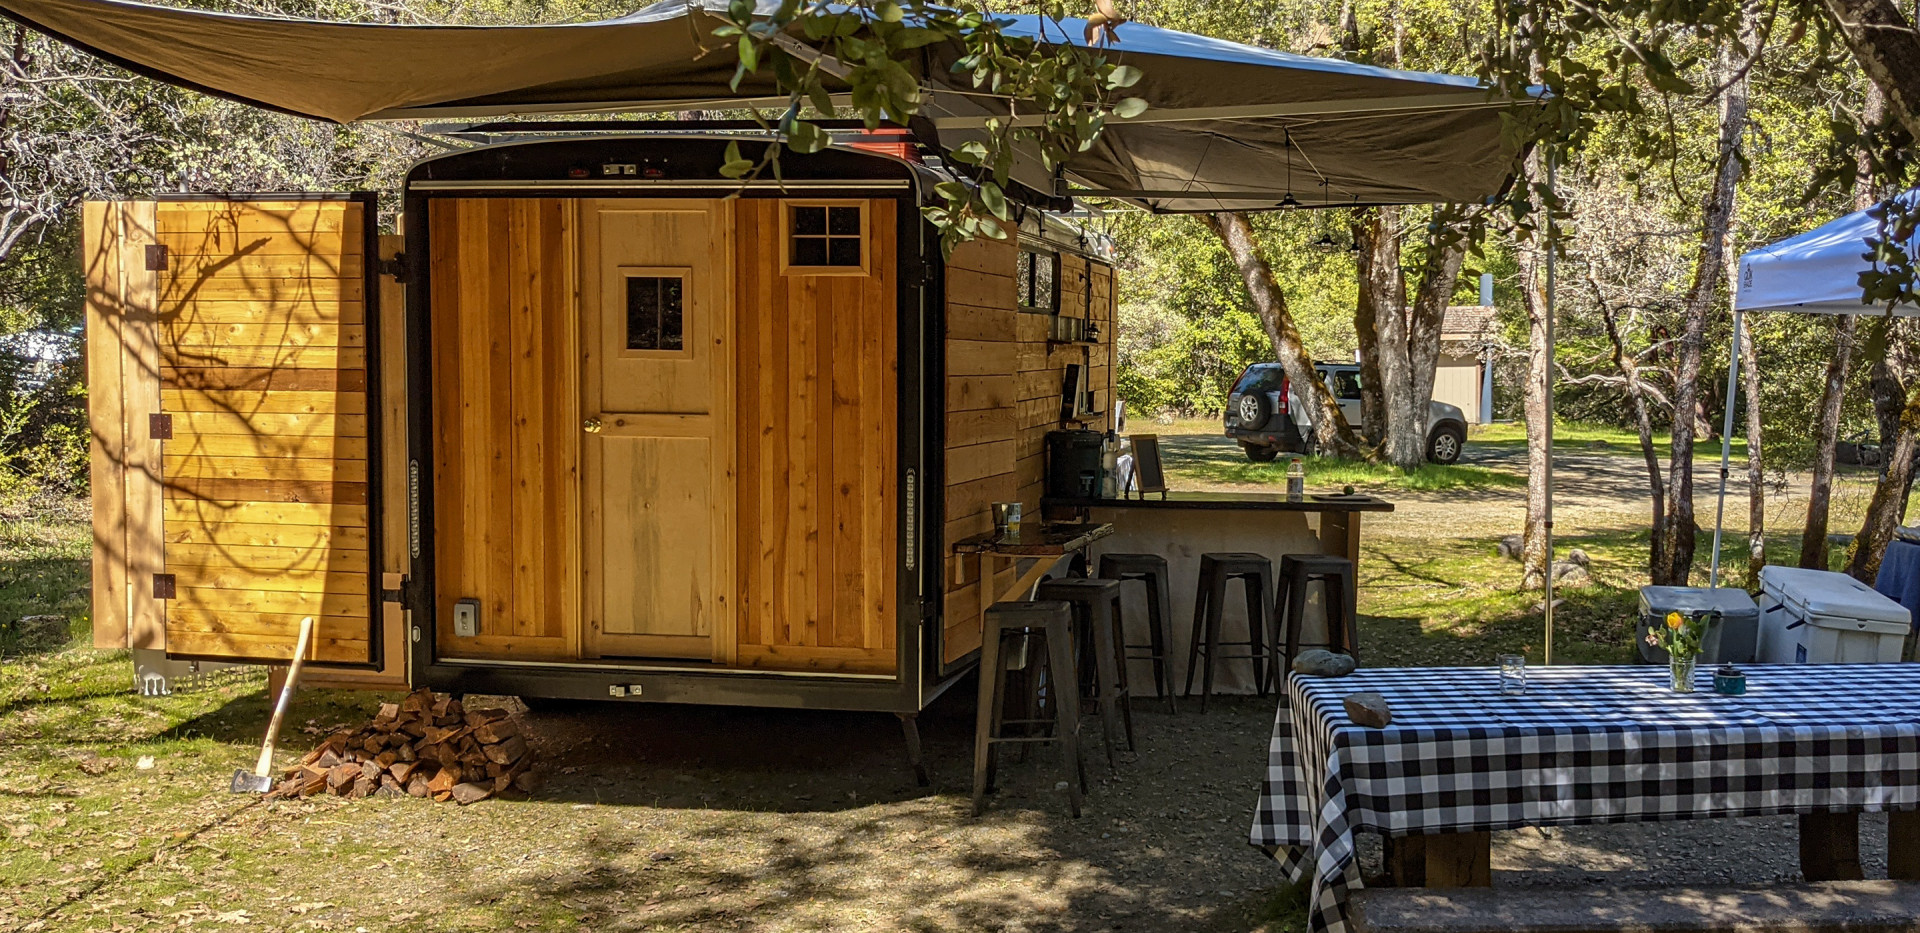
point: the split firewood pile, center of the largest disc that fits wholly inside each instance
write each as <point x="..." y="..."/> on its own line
<point x="422" y="746"/>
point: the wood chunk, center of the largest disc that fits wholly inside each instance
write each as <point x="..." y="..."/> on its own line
<point x="341" y="775"/>
<point x="527" y="781"/>
<point x="440" y="734"/>
<point x="419" y="701"/>
<point x="405" y="752"/>
<point x="480" y="717"/>
<point x="387" y="758"/>
<point x="338" y="741"/>
<point x="328" y="758"/>
<point x="418" y="785"/>
<point x="464" y="794"/>
<point x="371" y="770"/>
<point x="455" y="709"/>
<point x="362" y="786"/>
<point x="401" y="770"/>
<point x="442" y="782"/>
<point x="507" y="752"/>
<point x="389" y="712"/>
<point x="313" y="756"/>
<point x="415" y="728"/>
<point x="493" y="733"/>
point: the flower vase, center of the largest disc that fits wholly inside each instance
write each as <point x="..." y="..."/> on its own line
<point x="1682" y="671"/>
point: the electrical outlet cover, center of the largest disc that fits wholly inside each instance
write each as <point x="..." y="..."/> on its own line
<point x="466" y="618"/>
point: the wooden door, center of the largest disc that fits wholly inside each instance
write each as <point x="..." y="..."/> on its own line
<point x="657" y="379"/>
<point x="228" y="343"/>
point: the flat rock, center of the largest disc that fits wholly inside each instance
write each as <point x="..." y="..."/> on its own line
<point x="1577" y="556"/>
<point x="1511" y="546"/>
<point x="1569" y="573"/>
<point x="1319" y="662"/>
<point x="1368" y="709"/>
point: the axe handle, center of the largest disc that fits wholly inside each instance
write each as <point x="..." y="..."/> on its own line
<point x="265" y="766"/>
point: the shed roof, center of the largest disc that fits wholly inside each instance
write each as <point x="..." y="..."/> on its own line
<point x="1229" y="126"/>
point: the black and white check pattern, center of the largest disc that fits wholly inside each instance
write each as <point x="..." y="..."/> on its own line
<point x="1584" y="745"/>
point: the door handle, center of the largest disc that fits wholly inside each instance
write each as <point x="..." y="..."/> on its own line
<point x="591" y="425"/>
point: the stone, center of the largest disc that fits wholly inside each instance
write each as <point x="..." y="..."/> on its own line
<point x="1580" y="557"/>
<point x="1368" y="709"/>
<point x="1319" y="662"/>
<point x="1568" y="573"/>
<point x="1511" y="546"/>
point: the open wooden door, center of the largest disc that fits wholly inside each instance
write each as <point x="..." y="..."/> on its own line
<point x="228" y="348"/>
<point x="657" y="381"/>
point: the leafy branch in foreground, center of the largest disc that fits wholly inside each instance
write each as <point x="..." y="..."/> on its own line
<point x="1045" y="96"/>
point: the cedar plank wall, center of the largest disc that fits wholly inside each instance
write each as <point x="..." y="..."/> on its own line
<point x="817" y="406"/>
<point x="262" y="364"/>
<point x="506" y="449"/>
<point x="1003" y="396"/>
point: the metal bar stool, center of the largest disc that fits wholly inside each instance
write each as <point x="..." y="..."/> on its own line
<point x="1255" y="574"/>
<point x="1150" y="569"/>
<point x="1052" y="622"/>
<point x="1335" y="576"/>
<point x="1096" y="614"/>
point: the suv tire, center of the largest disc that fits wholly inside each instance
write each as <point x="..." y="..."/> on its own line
<point x="1253" y="411"/>
<point x="1260" y="454"/>
<point x="1445" y="444"/>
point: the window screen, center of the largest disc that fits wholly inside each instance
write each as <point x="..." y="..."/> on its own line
<point x="825" y="235"/>
<point x="654" y="318"/>
<point x="1034" y="277"/>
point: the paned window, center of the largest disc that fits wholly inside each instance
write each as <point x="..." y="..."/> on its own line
<point x="655" y="312"/>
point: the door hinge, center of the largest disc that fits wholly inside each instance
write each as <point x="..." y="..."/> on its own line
<point x="163" y="586"/>
<point x="396" y="267"/>
<point x="160" y="427"/>
<point x="156" y="257"/>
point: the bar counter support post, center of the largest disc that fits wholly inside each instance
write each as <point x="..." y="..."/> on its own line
<point x="1340" y="536"/>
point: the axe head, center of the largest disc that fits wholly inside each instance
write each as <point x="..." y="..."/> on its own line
<point x="247" y="782"/>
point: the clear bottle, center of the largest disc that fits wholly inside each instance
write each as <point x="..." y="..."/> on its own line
<point x="1296" y="480"/>
<point x="1110" y="467"/>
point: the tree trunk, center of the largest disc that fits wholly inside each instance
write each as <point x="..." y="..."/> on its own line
<point x="1532" y="261"/>
<point x="1401" y="438"/>
<point x="1446" y="251"/>
<point x="1888" y="50"/>
<point x="1756" y="468"/>
<point x="1377" y="267"/>
<point x="1897" y="400"/>
<point x="1271" y="304"/>
<point x="1678" y="538"/>
<point x="1826" y="429"/>
<point x="1643" y="419"/>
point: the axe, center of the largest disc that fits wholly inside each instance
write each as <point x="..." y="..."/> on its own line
<point x="260" y="779"/>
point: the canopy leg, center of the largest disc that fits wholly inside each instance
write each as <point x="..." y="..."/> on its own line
<point x="1726" y="444"/>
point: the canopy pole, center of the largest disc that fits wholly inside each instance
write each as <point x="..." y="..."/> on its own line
<point x="1726" y="443"/>
<point x="1547" y="506"/>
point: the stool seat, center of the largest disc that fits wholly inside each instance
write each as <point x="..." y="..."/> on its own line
<point x="1096" y="609"/>
<point x="1052" y="622"/>
<point x="1151" y="571"/>
<point x="1255" y="574"/>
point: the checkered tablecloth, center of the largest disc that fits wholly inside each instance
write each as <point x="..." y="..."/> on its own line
<point x="1584" y="745"/>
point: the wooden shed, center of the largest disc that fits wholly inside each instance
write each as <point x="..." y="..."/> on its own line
<point x="596" y="422"/>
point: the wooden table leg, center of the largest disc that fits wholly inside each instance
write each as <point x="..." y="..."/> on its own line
<point x="1340" y="536"/>
<point x="1459" y="860"/>
<point x="1830" y="847"/>
<point x="1903" y="845"/>
<point x="1406" y="858"/>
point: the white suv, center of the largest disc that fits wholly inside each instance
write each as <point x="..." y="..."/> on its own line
<point x="1267" y="418"/>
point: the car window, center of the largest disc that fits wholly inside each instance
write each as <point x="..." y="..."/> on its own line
<point x="1267" y="377"/>
<point x="1344" y="383"/>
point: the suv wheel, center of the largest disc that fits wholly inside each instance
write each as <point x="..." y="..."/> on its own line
<point x="1445" y="444"/>
<point x="1260" y="454"/>
<point x="1252" y="409"/>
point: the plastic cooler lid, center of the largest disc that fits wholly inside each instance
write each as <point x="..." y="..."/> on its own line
<point x="1732" y="602"/>
<point x="1817" y="594"/>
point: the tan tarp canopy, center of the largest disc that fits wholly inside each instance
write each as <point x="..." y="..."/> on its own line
<point x="1229" y="126"/>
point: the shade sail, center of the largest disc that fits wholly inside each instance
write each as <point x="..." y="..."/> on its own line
<point x="1229" y="126"/>
<point x="1817" y="272"/>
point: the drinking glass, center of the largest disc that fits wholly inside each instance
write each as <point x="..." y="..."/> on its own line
<point x="1513" y="674"/>
<point x="1006" y="517"/>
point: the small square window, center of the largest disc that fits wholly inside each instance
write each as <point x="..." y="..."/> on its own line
<point x="825" y="236"/>
<point x="655" y="319"/>
<point x="1034" y="280"/>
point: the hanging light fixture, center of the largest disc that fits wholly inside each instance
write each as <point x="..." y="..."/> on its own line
<point x="1325" y="243"/>
<point x="1288" y="202"/>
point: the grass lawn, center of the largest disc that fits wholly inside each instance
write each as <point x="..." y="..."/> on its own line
<point x="1594" y="438"/>
<point x="1220" y="462"/>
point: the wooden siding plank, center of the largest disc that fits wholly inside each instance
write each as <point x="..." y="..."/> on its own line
<point x="274" y="536"/>
<point x="253" y="401"/>
<point x="106" y="416"/>
<point x="140" y="388"/>
<point x="291" y="602"/>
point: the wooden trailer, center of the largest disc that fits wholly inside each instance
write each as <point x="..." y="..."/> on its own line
<point x="596" y="423"/>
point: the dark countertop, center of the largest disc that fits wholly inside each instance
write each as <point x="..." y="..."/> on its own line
<point x="1226" y="501"/>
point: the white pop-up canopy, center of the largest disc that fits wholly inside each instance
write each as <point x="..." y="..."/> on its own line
<point x="1817" y="272"/>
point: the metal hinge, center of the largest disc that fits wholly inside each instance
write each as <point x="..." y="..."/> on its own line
<point x="396" y="267"/>
<point x="156" y="257"/>
<point x="163" y="586"/>
<point x="160" y="427"/>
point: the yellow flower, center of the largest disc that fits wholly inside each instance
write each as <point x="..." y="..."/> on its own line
<point x="1673" y="620"/>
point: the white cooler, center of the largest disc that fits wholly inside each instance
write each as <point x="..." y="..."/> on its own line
<point x="1820" y="617"/>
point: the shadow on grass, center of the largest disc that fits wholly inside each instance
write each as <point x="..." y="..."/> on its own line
<point x="1219" y="461"/>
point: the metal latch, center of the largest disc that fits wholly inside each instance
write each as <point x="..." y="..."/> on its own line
<point x="156" y="257"/>
<point x="163" y="587"/>
<point x="396" y="267"/>
<point x="160" y="427"/>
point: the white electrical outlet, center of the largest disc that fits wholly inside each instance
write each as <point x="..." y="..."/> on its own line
<point x="466" y="618"/>
<point x="633" y="690"/>
<point x="615" y="690"/>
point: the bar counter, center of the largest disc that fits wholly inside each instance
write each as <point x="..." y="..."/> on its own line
<point x="1184" y="525"/>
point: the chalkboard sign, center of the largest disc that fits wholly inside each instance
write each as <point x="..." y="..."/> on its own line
<point x="1148" y="476"/>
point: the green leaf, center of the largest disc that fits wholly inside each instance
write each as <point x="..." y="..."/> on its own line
<point x="804" y="137"/>
<point x="890" y="12"/>
<point x="1123" y="76"/>
<point x="734" y="165"/>
<point x="1129" y="107"/>
<point x="994" y="199"/>
<point x="972" y="152"/>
